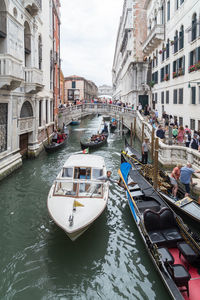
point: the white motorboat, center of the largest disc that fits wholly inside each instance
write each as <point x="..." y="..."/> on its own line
<point x="77" y="198"/>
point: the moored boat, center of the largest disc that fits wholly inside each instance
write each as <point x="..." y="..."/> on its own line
<point x="75" y="122"/>
<point x="77" y="197"/>
<point x="185" y="205"/>
<point x="168" y="241"/>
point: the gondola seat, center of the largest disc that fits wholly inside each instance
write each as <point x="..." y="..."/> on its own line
<point x="188" y="253"/>
<point x="180" y="276"/>
<point x="166" y="255"/>
<point x="162" y="227"/>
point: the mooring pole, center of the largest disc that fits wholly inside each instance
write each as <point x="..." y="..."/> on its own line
<point x="152" y="142"/>
<point x="142" y="132"/>
<point x="122" y="125"/>
<point x="131" y="134"/>
<point x="134" y="127"/>
<point x="155" y="180"/>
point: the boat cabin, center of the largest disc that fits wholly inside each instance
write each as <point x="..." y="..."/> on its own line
<point x="79" y="189"/>
<point x="82" y="173"/>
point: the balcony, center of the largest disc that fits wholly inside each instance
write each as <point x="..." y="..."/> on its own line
<point x="154" y="38"/>
<point x="11" y="73"/>
<point x="32" y="6"/>
<point x="33" y="80"/>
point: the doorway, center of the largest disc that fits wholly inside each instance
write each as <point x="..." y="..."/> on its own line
<point x="23" y="144"/>
<point x="144" y="100"/>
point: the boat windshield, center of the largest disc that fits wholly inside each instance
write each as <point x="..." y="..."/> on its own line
<point x="82" y="173"/>
<point x="96" y="173"/>
<point x="81" y="189"/>
<point x="67" y="172"/>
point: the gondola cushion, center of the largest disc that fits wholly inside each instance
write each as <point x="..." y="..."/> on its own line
<point x="187" y="251"/>
<point x="172" y="234"/>
<point x="161" y="227"/>
<point x="166" y="255"/>
<point x="157" y="238"/>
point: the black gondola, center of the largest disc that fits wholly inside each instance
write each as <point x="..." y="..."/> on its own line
<point x="92" y="145"/>
<point x="168" y="241"/>
<point x="54" y="146"/>
<point x="185" y="205"/>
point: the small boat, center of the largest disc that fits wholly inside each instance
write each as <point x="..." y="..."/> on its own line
<point x="92" y="145"/>
<point x="185" y="205"/>
<point x="75" y="122"/>
<point x="173" y="248"/>
<point x="56" y="144"/>
<point x="77" y="197"/>
<point x="113" y="125"/>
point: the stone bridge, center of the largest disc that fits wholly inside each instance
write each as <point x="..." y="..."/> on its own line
<point x="168" y="155"/>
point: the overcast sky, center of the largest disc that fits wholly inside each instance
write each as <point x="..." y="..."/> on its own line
<point x="88" y="37"/>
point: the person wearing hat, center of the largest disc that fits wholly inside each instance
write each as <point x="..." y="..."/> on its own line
<point x="145" y="151"/>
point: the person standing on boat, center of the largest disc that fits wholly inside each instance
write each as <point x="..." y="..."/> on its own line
<point x="186" y="177"/>
<point x="145" y="151"/>
<point x="107" y="177"/>
<point x="174" y="177"/>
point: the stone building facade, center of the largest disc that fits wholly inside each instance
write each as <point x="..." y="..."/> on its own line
<point x="173" y="47"/>
<point x="129" y="72"/>
<point x="78" y="89"/>
<point x="105" y="90"/>
<point x="26" y="89"/>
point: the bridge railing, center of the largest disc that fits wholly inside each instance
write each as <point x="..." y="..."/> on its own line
<point x="168" y="154"/>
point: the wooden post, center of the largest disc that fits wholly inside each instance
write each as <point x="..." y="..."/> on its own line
<point x="131" y="134"/>
<point x="122" y="125"/>
<point x="142" y="132"/>
<point x="152" y="142"/>
<point x="134" y="127"/>
<point x="155" y="179"/>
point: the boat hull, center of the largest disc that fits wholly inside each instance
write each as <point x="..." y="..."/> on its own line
<point x="50" y="148"/>
<point x="92" y="146"/>
<point x="189" y="208"/>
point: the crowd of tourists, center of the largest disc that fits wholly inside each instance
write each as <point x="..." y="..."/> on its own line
<point x="183" y="136"/>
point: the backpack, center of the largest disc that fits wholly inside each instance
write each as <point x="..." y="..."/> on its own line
<point x="189" y="137"/>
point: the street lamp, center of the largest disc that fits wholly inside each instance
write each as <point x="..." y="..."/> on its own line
<point x="189" y="85"/>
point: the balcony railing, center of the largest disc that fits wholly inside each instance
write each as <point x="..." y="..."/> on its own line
<point x="11" y="73"/>
<point x="33" y="80"/>
<point x="154" y="38"/>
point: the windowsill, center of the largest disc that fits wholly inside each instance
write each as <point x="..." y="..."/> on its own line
<point x="194" y="41"/>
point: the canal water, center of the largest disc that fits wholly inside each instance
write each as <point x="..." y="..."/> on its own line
<point x="38" y="261"/>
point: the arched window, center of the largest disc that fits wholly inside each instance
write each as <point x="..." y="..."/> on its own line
<point x="27" y="110"/>
<point x="40" y="52"/>
<point x="181" y="38"/>
<point x="3" y="26"/>
<point x="176" y="42"/>
<point x="194" y="27"/>
<point x="162" y="14"/>
<point x="27" y="44"/>
<point x="167" y="49"/>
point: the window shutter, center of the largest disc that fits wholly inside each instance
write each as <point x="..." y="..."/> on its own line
<point x="183" y="64"/>
<point x="193" y="94"/>
<point x="196" y="55"/>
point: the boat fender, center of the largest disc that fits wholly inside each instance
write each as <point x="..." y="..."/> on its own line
<point x="71" y="220"/>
